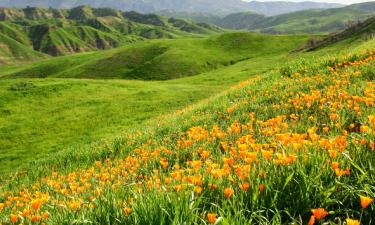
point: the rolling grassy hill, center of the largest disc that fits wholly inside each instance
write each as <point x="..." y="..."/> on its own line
<point x="306" y="21"/>
<point x="294" y="144"/>
<point x="82" y="29"/>
<point x="58" y="113"/>
<point x="363" y="30"/>
<point x="160" y="59"/>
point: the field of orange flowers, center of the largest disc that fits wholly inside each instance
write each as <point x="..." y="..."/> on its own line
<point x="290" y="147"/>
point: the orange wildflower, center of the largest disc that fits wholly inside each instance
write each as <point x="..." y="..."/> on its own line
<point x="228" y="192"/>
<point x="311" y="221"/>
<point x="198" y="190"/>
<point x="319" y="213"/>
<point x="36" y="203"/>
<point x="245" y="186"/>
<point x="335" y="165"/>
<point x="211" y="218"/>
<point x="365" y="201"/>
<point x="45" y="215"/>
<point x="261" y="188"/>
<point x="127" y="210"/>
<point x="13" y="218"/>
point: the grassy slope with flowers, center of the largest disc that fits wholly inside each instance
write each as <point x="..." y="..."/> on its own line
<point x="289" y="146"/>
<point x="41" y="117"/>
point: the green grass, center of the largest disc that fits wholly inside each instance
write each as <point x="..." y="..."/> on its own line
<point x="129" y="170"/>
<point x="161" y="59"/>
<point x="61" y="113"/>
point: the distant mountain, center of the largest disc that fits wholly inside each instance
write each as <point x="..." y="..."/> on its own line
<point x="207" y="6"/>
<point x="33" y="32"/>
<point x="307" y="21"/>
<point x="280" y="7"/>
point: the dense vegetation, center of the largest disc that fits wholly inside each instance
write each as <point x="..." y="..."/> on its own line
<point x="24" y="32"/>
<point x="291" y="145"/>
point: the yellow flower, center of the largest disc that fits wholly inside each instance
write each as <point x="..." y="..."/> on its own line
<point x="352" y="222"/>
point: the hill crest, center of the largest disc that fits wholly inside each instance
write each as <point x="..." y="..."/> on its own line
<point x="64" y="31"/>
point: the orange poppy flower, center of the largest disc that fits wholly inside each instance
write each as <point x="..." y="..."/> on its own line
<point x="13" y="218"/>
<point x="261" y="188"/>
<point x="311" y="221"/>
<point x="127" y="210"/>
<point x="211" y="218"/>
<point x="228" y="192"/>
<point x="365" y="201"/>
<point x="319" y="213"/>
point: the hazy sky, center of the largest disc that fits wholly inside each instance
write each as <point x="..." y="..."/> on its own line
<point x="331" y="1"/>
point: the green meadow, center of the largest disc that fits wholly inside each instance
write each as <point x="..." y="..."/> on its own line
<point x="69" y="113"/>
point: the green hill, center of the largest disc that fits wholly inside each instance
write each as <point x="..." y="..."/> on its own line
<point x="360" y="31"/>
<point x="15" y="45"/>
<point x="273" y="149"/>
<point x="161" y="59"/>
<point x="45" y="116"/>
<point x="62" y="32"/>
<point x="307" y="21"/>
<point x="243" y="20"/>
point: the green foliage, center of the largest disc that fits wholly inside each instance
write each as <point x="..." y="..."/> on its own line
<point x="162" y="59"/>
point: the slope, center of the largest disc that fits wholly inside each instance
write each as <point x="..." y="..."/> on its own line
<point x="15" y="46"/>
<point x="271" y="150"/>
<point x="59" y="32"/>
<point x="360" y="31"/>
<point x="307" y="21"/>
<point x="45" y="116"/>
<point x="161" y="59"/>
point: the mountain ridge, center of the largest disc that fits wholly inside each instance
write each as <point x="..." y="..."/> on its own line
<point x="306" y="21"/>
<point x="146" y="6"/>
<point x="59" y="32"/>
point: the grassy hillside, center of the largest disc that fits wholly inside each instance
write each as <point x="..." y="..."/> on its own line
<point x="292" y="145"/>
<point x="14" y="45"/>
<point x="363" y="30"/>
<point x="82" y="29"/>
<point x="312" y="21"/>
<point x="161" y="59"/>
<point x="306" y="21"/>
<point x="58" y="113"/>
